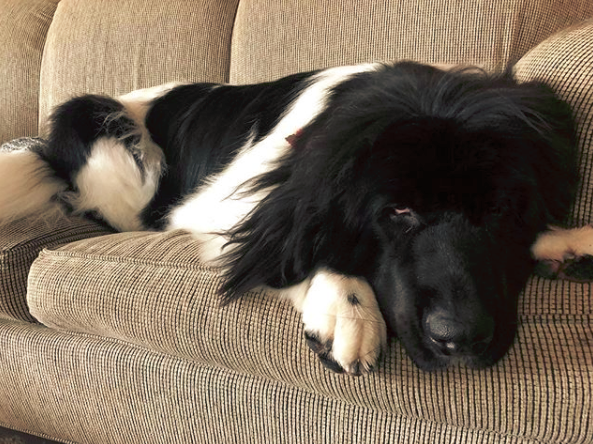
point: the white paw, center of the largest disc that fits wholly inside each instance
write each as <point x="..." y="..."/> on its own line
<point x="565" y="254"/>
<point x="343" y="324"/>
<point x="558" y="244"/>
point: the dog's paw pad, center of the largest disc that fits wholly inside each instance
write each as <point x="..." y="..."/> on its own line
<point x="343" y="324"/>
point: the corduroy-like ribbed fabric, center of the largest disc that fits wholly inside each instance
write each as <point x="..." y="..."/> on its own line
<point x="160" y="298"/>
<point x="139" y="350"/>
<point x="20" y="242"/>
<point x="113" y="47"/>
<point x="278" y="37"/>
<point x="23" y="28"/>
<point x="99" y="391"/>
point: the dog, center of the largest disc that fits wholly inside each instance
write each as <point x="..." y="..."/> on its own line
<point x="381" y="199"/>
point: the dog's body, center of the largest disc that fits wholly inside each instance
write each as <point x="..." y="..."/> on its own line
<point x="405" y="190"/>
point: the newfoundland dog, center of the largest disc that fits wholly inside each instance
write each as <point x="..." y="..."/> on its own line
<point x="402" y="198"/>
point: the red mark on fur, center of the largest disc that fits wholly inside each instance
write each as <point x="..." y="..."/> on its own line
<point x="292" y="139"/>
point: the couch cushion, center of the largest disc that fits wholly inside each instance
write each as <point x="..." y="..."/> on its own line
<point x="148" y="289"/>
<point x="20" y="243"/>
<point x="274" y="38"/>
<point x="113" y="47"/>
<point x="23" y="29"/>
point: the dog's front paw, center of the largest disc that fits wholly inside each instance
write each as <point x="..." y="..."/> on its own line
<point x="343" y="324"/>
<point x="565" y="254"/>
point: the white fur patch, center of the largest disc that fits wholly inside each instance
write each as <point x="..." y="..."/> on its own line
<point x="344" y="310"/>
<point x="28" y="186"/>
<point x="559" y="244"/>
<point x="112" y="184"/>
<point x="137" y="103"/>
<point x="215" y="208"/>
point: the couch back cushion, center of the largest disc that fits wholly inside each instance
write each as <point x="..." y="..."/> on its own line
<point x="113" y="47"/>
<point x="278" y="37"/>
<point x="23" y="29"/>
<point x="52" y="49"/>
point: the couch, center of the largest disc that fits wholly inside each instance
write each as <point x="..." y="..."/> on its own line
<point x="120" y="338"/>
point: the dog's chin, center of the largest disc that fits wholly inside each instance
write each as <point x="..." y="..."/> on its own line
<point x="426" y="358"/>
<point x="430" y="362"/>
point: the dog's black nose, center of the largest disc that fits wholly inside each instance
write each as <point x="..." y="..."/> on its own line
<point x="452" y="336"/>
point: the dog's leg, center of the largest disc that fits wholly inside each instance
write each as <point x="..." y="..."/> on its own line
<point x="565" y="253"/>
<point x="101" y="147"/>
<point x="343" y="324"/>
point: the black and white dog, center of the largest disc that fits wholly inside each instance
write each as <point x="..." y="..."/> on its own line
<point x="375" y="196"/>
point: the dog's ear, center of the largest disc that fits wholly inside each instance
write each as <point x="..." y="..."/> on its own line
<point x="309" y="219"/>
<point x="544" y="124"/>
<point x="557" y="172"/>
<point x="272" y="246"/>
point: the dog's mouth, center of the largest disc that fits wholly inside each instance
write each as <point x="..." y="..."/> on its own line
<point x="430" y="354"/>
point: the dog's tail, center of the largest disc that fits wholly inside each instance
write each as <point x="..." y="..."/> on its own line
<point x="28" y="184"/>
<point x="98" y="160"/>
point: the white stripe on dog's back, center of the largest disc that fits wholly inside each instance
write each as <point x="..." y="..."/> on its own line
<point x="217" y="207"/>
<point x="137" y="102"/>
<point x="29" y="186"/>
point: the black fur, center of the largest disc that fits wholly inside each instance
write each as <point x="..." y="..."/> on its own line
<point x="204" y="125"/>
<point x="484" y="164"/>
<point x="77" y="124"/>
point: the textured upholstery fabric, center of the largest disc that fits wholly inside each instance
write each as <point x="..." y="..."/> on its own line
<point x="100" y="391"/>
<point x="278" y="37"/>
<point x="23" y="28"/>
<point x="136" y="347"/>
<point x="169" y="305"/>
<point x="20" y="243"/>
<point x="113" y="47"/>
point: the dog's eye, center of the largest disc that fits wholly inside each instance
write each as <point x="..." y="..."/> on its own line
<point x="403" y="217"/>
<point x="401" y="214"/>
<point x="398" y="210"/>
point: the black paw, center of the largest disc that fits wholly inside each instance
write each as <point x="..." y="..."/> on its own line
<point x="579" y="269"/>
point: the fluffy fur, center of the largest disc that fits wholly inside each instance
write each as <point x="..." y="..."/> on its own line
<point x="376" y="196"/>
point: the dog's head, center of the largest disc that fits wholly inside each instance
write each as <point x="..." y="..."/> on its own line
<point x="466" y="193"/>
<point x="432" y="185"/>
<point x="458" y="218"/>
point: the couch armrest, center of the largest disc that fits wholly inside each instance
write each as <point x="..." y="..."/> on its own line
<point x="564" y="62"/>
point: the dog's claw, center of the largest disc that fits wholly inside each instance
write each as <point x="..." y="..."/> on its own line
<point x="315" y="344"/>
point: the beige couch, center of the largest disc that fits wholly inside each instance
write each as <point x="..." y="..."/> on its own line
<point x="119" y="338"/>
